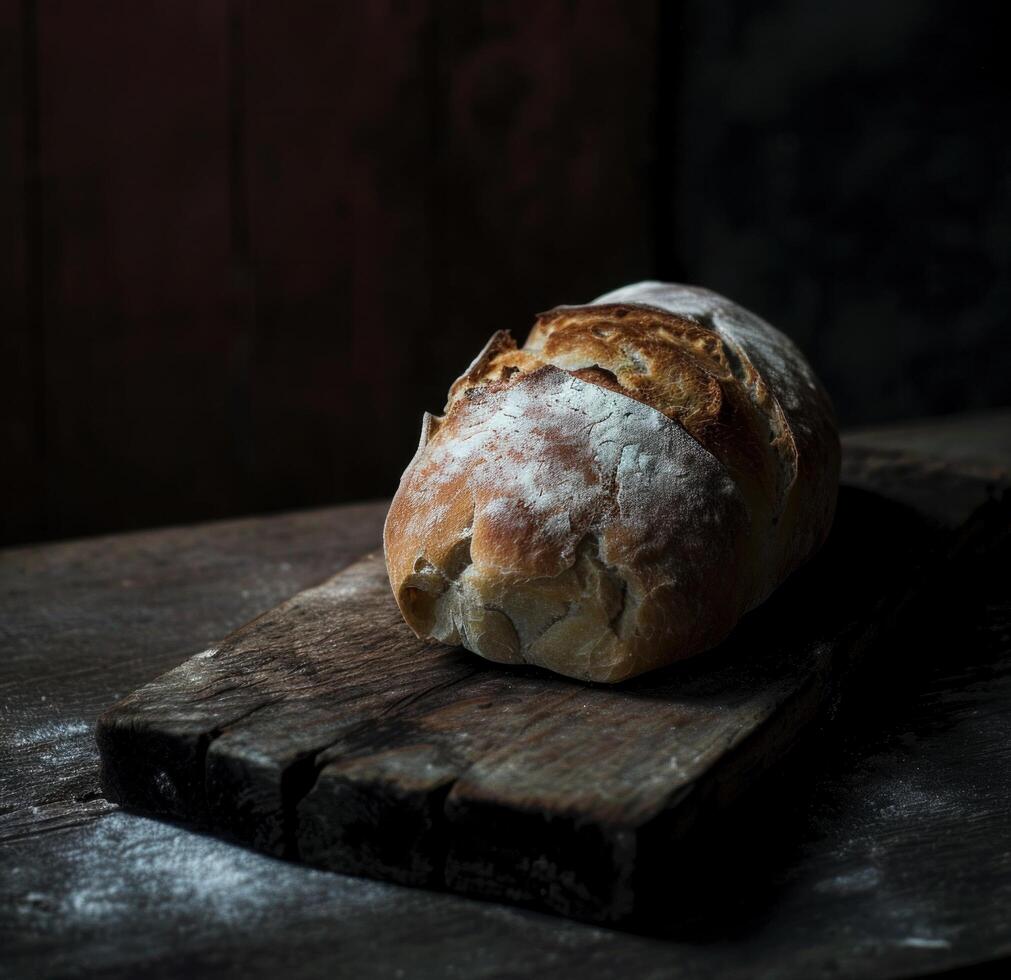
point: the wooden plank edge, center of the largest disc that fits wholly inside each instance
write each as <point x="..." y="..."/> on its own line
<point x="431" y="814"/>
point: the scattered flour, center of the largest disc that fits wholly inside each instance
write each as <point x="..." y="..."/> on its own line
<point x="555" y="453"/>
<point x="130" y="865"/>
<point x="58" y="743"/>
<point x="851" y="882"/>
<point x="925" y="942"/>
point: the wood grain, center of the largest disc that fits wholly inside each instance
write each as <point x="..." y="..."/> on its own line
<point x="324" y="730"/>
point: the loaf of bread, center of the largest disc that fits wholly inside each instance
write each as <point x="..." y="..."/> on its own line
<point x="617" y="493"/>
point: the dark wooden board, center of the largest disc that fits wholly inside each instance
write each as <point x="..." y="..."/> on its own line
<point x="881" y="850"/>
<point x="325" y="731"/>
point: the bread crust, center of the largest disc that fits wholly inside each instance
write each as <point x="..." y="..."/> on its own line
<point x="615" y="495"/>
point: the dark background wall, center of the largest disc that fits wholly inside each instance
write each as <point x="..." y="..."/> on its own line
<point x="243" y="246"/>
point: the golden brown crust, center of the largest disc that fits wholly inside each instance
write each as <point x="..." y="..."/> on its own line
<point x="617" y="493"/>
<point x="667" y="361"/>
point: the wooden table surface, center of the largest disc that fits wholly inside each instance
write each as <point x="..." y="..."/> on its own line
<point x="883" y="850"/>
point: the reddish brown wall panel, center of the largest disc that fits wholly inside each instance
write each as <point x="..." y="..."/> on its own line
<point x="269" y="236"/>
<point x="545" y="147"/>
<point x="420" y="175"/>
<point x="141" y="339"/>
<point x="338" y="148"/>
<point x="22" y="513"/>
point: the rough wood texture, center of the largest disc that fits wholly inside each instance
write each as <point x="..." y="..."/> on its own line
<point x="943" y="467"/>
<point x="83" y="622"/>
<point x="881" y="850"/>
<point x="325" y="730"/>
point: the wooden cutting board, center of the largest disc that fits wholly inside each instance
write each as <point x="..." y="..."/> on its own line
<point x="325" y="732"/>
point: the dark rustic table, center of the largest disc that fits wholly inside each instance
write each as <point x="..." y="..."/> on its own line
<point x="881" y="849"/>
